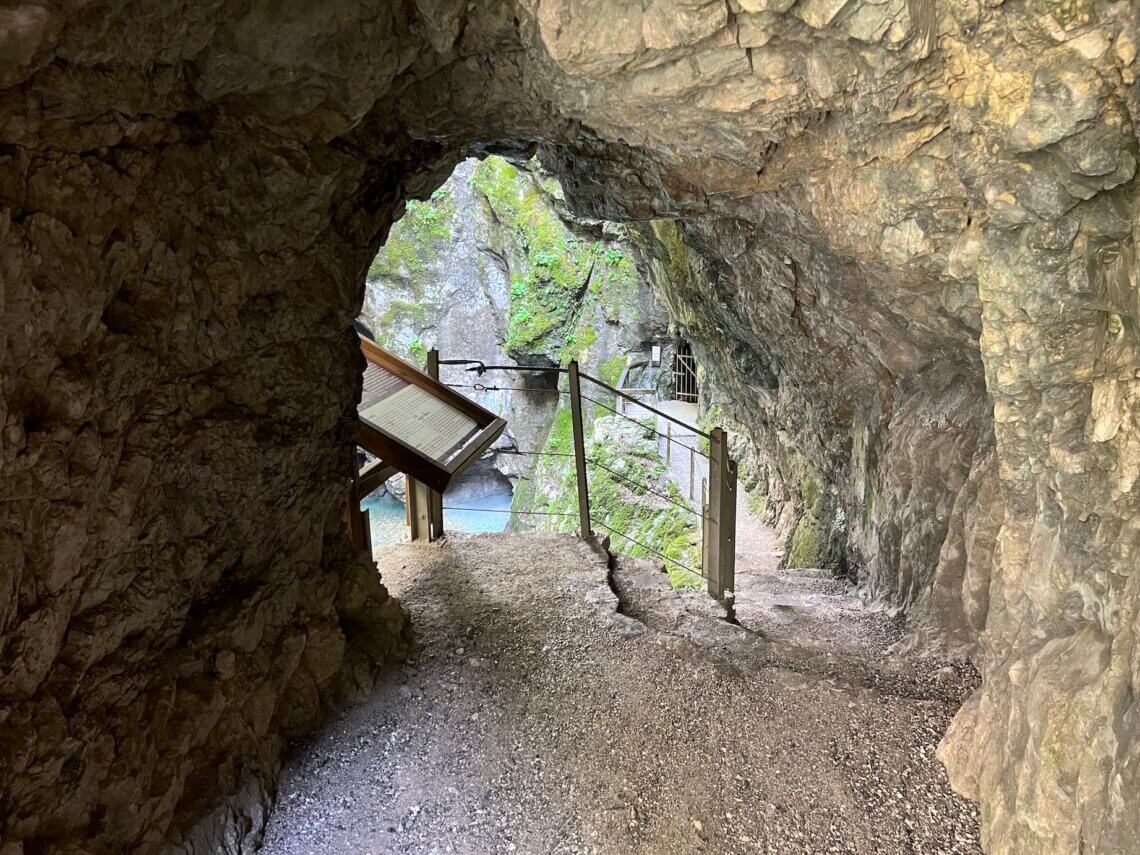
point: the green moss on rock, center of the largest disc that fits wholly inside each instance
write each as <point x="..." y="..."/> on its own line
<point x="552" y="266"/>
<point x="560" y="440"/>
<point x="806" y="545"/>
<point x="809" y="488"/>
<point x="610" y="370"/>
<point x="614" y="282"/>
<point x="578" y="342"/>
<point x="758" y="503"/>
<point x="415" y="238"/>
<point x="626" y="472"/>
<point x="818" y="537"/>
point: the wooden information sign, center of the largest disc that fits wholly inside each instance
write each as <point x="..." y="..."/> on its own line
<point x="418" y="425"/>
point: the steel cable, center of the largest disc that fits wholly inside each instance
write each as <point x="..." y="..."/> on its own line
<point x="647" y="489"/>
<point x="649" y="549"/>
<point x="482" y="387"/>
<point x="645" y="426"/>
<point x="532" y="453"/>
<point x="501" y="511"/>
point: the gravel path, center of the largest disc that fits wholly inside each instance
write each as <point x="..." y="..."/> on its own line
<point x="803" y="606"/>
<point x="534" y="717"/>
<point x="681" y="459"/>
<point x="675" y="442"/>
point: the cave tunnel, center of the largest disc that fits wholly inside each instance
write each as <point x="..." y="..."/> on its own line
<point x="901" y="237"/>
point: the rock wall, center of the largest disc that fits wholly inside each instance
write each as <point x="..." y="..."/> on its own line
<point x="177" y="412"/>
<point x="918" y="225"/>
<point x="857" y="467"/>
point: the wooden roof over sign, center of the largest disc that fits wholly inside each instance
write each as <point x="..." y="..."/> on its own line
<point x="418" y="425"/>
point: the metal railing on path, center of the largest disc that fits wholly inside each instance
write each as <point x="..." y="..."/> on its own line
<point x="716" y="511"/>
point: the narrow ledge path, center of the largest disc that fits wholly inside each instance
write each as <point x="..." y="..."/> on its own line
<point x="536" y="717"/>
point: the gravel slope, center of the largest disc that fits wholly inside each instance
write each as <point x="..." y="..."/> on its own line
<point x="533" y="717"/>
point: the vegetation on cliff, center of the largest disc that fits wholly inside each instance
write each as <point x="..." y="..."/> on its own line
<point x="558" y="277"/>
<point x="495" y="244"/>
<point x="631" y="495"/>
<point x="414" y="238"/>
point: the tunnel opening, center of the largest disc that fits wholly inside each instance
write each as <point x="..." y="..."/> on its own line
<point x="493" y="270"/>
<point x="483" y="271"/>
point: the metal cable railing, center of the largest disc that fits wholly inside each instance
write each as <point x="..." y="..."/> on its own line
<point x="651" y="550"/>
<point x="703" y="514"/>
<point x="520" y="453"/>
<point x="480" y="387"/>
<point x="646" y="425"/>
<point x="511" y="511"/>
<point x="653" y="410"/>
<point x="478" y="366"/>
<point x="590" y="461"/>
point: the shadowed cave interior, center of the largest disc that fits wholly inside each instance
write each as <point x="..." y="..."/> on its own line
<point x="900" y="238"/>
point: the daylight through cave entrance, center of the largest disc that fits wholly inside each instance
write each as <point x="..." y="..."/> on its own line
<point x="494" y="269"/>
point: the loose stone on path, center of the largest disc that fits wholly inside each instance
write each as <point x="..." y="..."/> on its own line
<point x="574" y="737"/>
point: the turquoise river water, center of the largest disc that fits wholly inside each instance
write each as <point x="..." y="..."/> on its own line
<point x="387" y="515"/>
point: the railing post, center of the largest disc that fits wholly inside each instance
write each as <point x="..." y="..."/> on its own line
<point x="668" y="443"/>
<point x="579" y="449"/>
<point x="706" y="528"/>
<point x="359" y="530"/>
<point x="435" y="498"/>
<point x="720" y="542"/>
<point x="366" y="528"/>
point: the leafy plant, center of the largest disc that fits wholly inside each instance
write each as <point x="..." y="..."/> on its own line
<point x="551" y="268"/>
<point x="417" y="352"/>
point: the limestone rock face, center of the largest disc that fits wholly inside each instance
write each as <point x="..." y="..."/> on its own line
<point x="494" y="268"/>
<point x="908" y="243"/>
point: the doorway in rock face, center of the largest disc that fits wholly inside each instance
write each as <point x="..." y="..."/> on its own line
<point x="685" y="374"/>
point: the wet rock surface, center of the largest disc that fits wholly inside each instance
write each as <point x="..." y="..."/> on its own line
<point x="906" y="248"/>
<point x="547" y="721"/>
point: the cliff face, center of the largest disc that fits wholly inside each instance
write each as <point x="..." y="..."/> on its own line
<point x="859" y="466"/>
<point x="179" y="373"/>
<point x="492" y="267"/>
<point x="916" y="227"/>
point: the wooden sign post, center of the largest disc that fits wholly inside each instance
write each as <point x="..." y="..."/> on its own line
<point x="435" y="499"/>
<point x="416" y="425"/>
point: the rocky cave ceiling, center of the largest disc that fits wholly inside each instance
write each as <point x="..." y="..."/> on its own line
<point x="908" y="260"/>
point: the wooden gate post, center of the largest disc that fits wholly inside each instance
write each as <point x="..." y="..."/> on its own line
<point x="435" y="498"/>
<point x="706" y="527"/>
<point x="579" y="450"/>
<point x="721" y="543"/>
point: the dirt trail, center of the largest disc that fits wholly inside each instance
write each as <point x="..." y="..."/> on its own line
<point x="534" y="717"/>
<point x="804" y="607"/>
